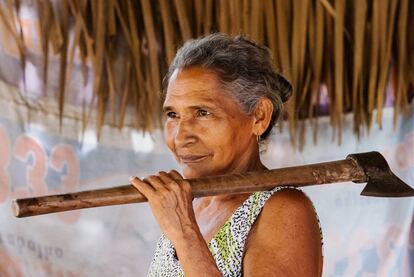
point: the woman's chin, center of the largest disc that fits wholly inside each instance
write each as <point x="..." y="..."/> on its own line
<point x="191" y="172"/>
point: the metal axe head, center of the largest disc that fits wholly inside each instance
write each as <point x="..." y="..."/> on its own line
<point x="381" y="181"/>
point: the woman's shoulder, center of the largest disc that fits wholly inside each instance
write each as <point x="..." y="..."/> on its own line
<point x="289" y="197"/>
<point x="291" y="207"/>
<point x="286" y="230"/>
<point x="288" y="205"/>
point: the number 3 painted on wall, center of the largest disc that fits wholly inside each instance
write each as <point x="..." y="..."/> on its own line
<point x="64" y="154"/>
<point x="60" y="156"/>
<point x="35" y="172"/>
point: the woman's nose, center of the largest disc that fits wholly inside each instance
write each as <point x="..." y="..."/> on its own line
<point x="185" y="134"/>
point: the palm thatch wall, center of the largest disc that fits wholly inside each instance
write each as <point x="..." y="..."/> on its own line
<point x="351" y="49"/>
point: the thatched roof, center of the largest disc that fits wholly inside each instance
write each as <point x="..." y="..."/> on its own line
<point x="350" y="49"/>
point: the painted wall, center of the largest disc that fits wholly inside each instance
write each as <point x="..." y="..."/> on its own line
<point x="363" y="236"/>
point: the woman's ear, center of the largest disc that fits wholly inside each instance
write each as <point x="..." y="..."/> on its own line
<point x="262" y="115"/>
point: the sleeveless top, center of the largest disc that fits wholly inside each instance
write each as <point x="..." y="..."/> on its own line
<point x="227" y="246"/>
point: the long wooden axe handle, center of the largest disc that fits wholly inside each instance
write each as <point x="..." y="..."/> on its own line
<point x="370" y="167"/>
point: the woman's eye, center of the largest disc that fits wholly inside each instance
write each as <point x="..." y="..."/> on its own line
<point x="202" y="113"/>
<point x="171" y="115"/>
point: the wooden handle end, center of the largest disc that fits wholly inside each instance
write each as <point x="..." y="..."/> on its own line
<point x="15" y="208"/>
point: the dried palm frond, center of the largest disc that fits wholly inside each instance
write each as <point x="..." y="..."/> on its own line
<point x="352" y="48"/>
<point x="402" y="61"/>
<point x="388" y="11"/>
<point x="316" y="42"/>
<point x="339" y="29"/>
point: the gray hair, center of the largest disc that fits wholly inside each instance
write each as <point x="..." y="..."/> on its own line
<point x="244" y="68"/>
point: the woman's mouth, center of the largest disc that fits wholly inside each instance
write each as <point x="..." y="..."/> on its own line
<point x="189" y="159"/>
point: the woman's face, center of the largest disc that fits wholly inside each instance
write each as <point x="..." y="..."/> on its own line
<point x="205" y="127"/>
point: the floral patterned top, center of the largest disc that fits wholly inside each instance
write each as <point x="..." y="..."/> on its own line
<point x="227" y="246"/>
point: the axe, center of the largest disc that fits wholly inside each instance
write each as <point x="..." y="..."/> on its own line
<point x="370" y="168"/>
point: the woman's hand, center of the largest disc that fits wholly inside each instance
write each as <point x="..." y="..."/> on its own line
<point x="170" y="198"/>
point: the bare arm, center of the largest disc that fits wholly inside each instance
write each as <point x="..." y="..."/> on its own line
<point x="285" y="240"/>
<point x="171" y="205"/>
<point x="194" y="255"/>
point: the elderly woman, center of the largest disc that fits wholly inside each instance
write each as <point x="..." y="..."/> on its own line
<point x="222" y="97"/>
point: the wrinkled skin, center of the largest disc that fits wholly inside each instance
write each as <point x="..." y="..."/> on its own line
<point x="209" y="134"/>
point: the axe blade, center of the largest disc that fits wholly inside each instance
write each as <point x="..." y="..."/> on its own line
<point x="382" y="182"/>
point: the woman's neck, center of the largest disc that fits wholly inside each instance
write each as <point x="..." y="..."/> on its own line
<point x="250" y="163"/>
